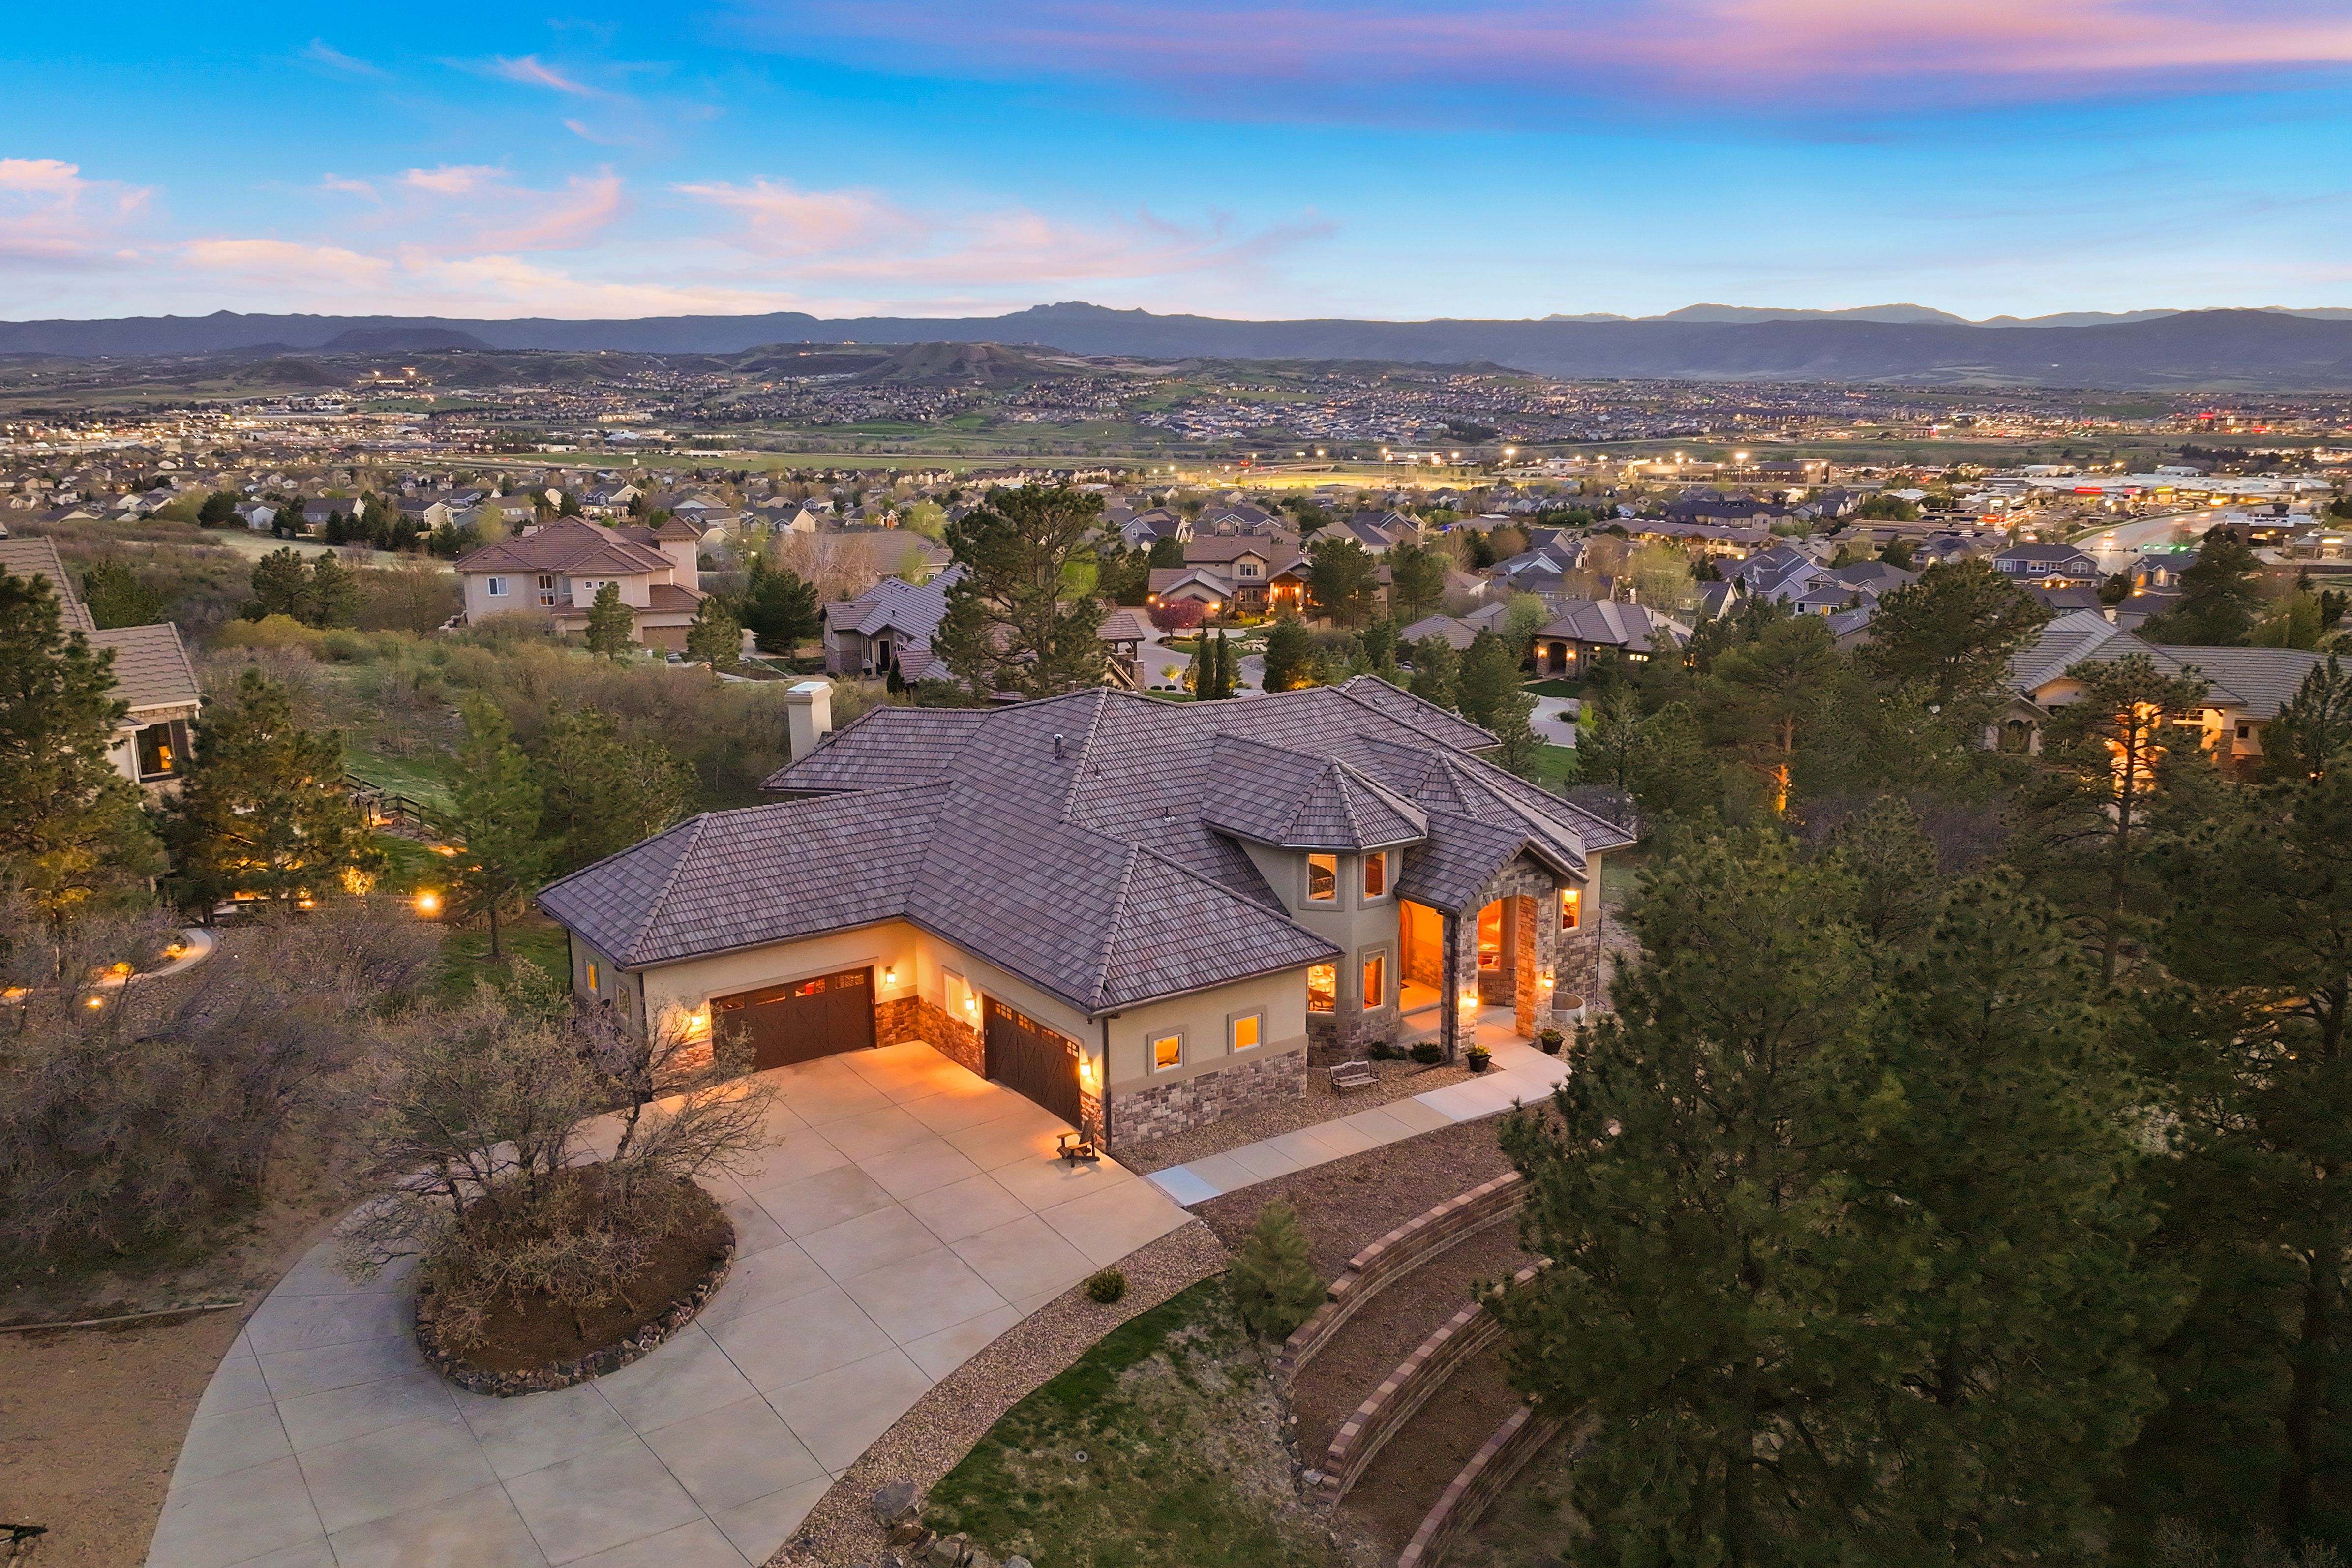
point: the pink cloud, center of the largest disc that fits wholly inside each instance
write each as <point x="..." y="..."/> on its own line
<point x="558" y="221"/>
<point x="50" y="213"/>
<point x="532" y="71"/>
<point x="450" y="179"/>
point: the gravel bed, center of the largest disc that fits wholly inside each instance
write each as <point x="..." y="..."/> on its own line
<point x="1320" y="1103"/>
<point x="932" y="1437"/>
<point x="1347" y="1203"/>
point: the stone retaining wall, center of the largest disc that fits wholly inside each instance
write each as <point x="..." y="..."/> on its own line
<point x="1404" y="1391"/>
<point x="1409" y="1245"/>
<point x="1499" y="1459"/>
<point x="1240" y="1089"/>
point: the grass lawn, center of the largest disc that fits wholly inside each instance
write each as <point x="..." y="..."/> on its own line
<point x="1557" y="687"/>
<point x="1158" y="1449"/>
<point x="423" y="778"/>
<point x="1556" y="765"/>
<point x="527" y="937"/>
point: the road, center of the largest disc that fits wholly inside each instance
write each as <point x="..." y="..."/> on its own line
<point x="2116" y="548"/>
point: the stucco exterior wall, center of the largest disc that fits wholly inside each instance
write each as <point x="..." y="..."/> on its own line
<point x="1358" y="927"/>
<point x="890" y="946"/>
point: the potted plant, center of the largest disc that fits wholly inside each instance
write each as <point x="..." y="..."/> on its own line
<point x="1550" y="1041"/>
<point x="1478" y="1057"/>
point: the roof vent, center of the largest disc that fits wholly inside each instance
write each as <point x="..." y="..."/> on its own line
<point x="1057" y="748"/>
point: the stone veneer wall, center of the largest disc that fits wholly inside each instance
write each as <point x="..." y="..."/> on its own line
<point x="1237" y="1088"/>
<point x="1540" y="890"/>
<point x="1341" y="1035"/>
<point x="912" y="1018"/>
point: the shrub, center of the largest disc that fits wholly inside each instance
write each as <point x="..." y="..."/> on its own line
<point x="269" y="632"/>
<point x="1177" y="615"/>
<point x="1429" y="1053"/>
<point x="1273" y="1282"/>
<point x="1478" y="1057"/>
<point x="1384" y="1051"/>
<point x="1106" y="1286"/>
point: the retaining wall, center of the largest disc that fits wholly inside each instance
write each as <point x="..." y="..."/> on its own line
<point x="1399" y="1252"/>
<point x="1498" y="1462"/>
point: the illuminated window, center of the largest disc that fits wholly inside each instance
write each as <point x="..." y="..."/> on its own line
<point x="592" y="974"/>
<point x="1322" y="878"/>
<point x="1247" y="1030"/>
<point x="546" y="590"/>
<point x="1167" y="1051"/>
<point x="1376" y="982"/>
<point x="160" y="748"/>
<point x="1376" y="875"/>
<point x="1571" y="912"/>
<point x="1322" y="987"/>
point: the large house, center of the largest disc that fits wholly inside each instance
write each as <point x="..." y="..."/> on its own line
<point x="889" y="627"/>
<point x="1142" y="914"/>
<point x="556" y="570"/>
<point x="2245" y="686"/>
<point x="152" y="673"/>
<point x="1582" y="629"/>
<point x="2051" y="566"/>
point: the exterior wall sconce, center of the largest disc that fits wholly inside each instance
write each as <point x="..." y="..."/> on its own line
<point x="889" y="973"/>
<point x="1543" y="980"/>
<point x="1086" y="1072"/>
<point x="1470" y="1000"/>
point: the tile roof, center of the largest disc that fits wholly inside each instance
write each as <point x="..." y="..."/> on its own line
<point x="1293" y="800"/>
<point x="150" y="665"/>
<point x="2257" y="681"/>
<point x="568" y="545"/>
<point x="38" y="557"/>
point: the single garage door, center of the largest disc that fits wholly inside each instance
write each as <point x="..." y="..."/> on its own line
<point x="801" y="1021"/>
<point x="1027" y="1056"/>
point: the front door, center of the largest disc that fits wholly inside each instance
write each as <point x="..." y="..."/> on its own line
<point x="1027" y="1056"/>
<point x="801" y="1021"/>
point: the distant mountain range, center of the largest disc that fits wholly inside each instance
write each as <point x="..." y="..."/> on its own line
<point x="2247" y="350"/>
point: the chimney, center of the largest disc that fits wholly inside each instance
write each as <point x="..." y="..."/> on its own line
<point x="808" y="715"/>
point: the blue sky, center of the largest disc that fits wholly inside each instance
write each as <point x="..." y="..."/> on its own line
<point x="1380" y="158"/>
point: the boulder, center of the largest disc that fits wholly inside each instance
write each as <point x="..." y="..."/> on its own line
<point x="894" y="1502"/>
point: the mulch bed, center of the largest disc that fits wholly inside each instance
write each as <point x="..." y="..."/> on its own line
<point x="1349" y="1203"/>
<point x="1386" y="1329"/>
<point x="1397" y="1493"/>
<point x="535" y="1335"/>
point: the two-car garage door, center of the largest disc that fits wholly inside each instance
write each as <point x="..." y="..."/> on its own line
<point x="801" y="1021"/>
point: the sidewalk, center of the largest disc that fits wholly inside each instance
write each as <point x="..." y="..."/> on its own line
<point x="1520" y="1073"/>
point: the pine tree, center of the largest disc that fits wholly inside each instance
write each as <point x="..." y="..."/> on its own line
<point x="2313" y="732"/>
<point x="778" y="608"/>
<point x="1490" y="676"/>
<point x="602" y="794"/>
<point x="1518" y="746"/>
<point x="1343" y="582"/>
<point x="71" y="827"/>
<point x="333" y="596"/>
<point x="612" y="626"/>
<point x="1416" y="581"/>
<point x="2219" y="600"/>
<point x="714" y="638"/>
<point x="1437" y="672"/>
<point x="1292" y="659"/>
<point x="1272" y="1280"/>
<point x="281" y="584"/>
<point x="1764" y="700"/>
<point x="497" y="809"/>
<point x="1011" y="622"/>
<point x="1950" y="636"/>
<point x="262" y="809"/>
<point x="116" y="597"/>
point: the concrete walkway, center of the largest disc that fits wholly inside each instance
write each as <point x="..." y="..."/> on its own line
<point x="913" y="1213"/>
<point x="1551" y="720"/>
<point x="1520" y="1074"/>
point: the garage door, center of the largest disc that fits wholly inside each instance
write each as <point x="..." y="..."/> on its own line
<point x="1033" y="1060"/>
<point x="801" y="1021"/>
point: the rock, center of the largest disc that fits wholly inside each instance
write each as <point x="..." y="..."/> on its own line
<point x="1017" y="1563"/>
<point x="948" y="1551"/>
<point x="894" y="1502"/>
<point x="910" y="1532"/>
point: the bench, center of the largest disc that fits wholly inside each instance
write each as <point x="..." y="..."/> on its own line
<point x="1358" y="1074"/>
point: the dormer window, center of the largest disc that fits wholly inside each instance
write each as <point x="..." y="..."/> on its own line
<point x="1322" y="878"/>
<point x="1249" y="568"/>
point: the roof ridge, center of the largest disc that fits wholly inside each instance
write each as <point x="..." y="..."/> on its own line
<point x="1110" y="926"/>
<point x="700" y="822"/>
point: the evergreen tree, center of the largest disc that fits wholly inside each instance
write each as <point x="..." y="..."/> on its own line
<point x="778" y="608"/>
<point x="262" y="809"/>
<point x="1518" y="747"/>
<point x="1765" y="700"/>
<point x="116" y="597"/>
<point x="714" y="638"/>
<point x="1899" y="893"/>
<point x="2219" y="601"/>
<point x="71" y="827"/>
<point x="1343" y="582"/>
<point x="1416" y="581"/>
<point x="2313" y="732"/>
<point x="612" y="626"/>
<point x="1437" y="672"/>
<point x="281" y="586"/>
<point x="1272" y="1280"/>
<point x="1010" y="625"/>
<point x="219" y="509"/>
<point x="333" y="598"/>
<point x="1292" y="659"/>
<point x="497" y="809"/>
<point x="602" y="794"/>
<point x="1951" y="635"/>
<point x="1489" y="679"/>
<point x="2082" y="831"/>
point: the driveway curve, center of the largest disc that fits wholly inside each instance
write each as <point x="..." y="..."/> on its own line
<point x="912" y="1213"/>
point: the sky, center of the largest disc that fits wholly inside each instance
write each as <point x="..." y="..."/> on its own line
<point x="1397" y="158"/>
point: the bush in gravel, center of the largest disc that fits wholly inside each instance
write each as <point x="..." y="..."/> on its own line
<point x="1106" y="1286"/>
<point x="1383" y="1051"/>
<point x="1429" y="1053"/>
<point x="1272" y="1282"/>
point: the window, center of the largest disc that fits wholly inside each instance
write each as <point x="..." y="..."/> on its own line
<point x="1572" y="908"/>
<point x="497" y="587"/>
<point x="1322" y="878"/>
<point x="1247" y="1030"/>
<point x="1322" y="987"/>
<point x="1376" y="982"/>
<point x="1376" y="875"/>
<point x="592" y="974"/>
<point x="1167" y="1051"/>
<point x="1490" y="937"/>
<point x="546" y="591"/>
<point x="1249" y="568"/>
<point x="161" y="747"/>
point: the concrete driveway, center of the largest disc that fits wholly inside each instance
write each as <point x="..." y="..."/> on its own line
<point x="913" y="1213"/>
<point x="1552" y="720"/>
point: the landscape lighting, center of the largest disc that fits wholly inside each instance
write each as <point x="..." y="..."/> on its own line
<point x="428" y="904"/>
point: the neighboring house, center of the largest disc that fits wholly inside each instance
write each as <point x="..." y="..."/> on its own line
<point x="152" y="672"/>
<point x="889" y="627"/>
<point x="1580" y="628"/>
<point x="1459" y="631"/>
<point x="555" y="572"/>
<point x="2247" y="686"/>
<point x="1254" y="573"/>
<point x="1143" y="915"/>
<point x="1701" y="536"/>
<point x="2052" y="566"/>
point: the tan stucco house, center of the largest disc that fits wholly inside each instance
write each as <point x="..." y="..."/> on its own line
<point x="1145" y="916"/>
<point x="555" y="570"/>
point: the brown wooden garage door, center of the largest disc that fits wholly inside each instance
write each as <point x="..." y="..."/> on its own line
<point x="801" y="1021"/>
<point x="1025" y="1056"/>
